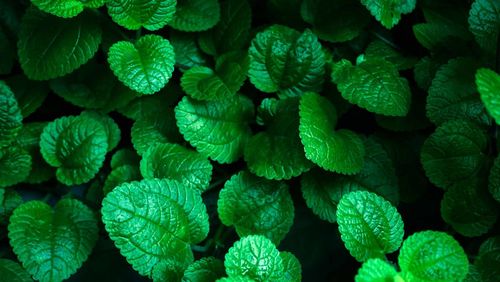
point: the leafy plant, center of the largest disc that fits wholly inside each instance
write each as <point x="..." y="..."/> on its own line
<point x="249" y="140"/>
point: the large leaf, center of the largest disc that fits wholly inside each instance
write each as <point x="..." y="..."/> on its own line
<point x="51" y="47"/>
<point x="11" y="271"/>
<point x="145" y="66"/>
<point x="154" y="221"/>
<point x="196" y="15"/>
<point x="388" y="12"/>
<point x="484" y="23"/>
<point x="376" y="270"/>
<point x="256" y="206"/>
<point x="52" y="243"/>
<point x="134" y="14"/>
<point x="488" y="85"/>
<point x="66" y="8"/>
<point x="29" y="94"/>
<point x="369" y="225"/>
<point x="286" y="61"/>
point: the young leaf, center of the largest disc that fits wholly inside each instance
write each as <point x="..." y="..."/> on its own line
<point x="175" y="162"/>
<point x="196" y="15"/>
<point x="134" y="14"/>
<point x="52" y="243"/>
<point x="15" y="165"/>
<point x="373" y="84"/>
<point x="453" y="94"/>
<point x="286" y="61"/>
<point x="292" y="267"/>
<point x="207" y="269"/>
<point x="255" y="257"/>
<point x="218" y="130"/>
<point x="29" y="94"/>
<point x="76" y="146"/>
<point x="135" y="216"/>
<point x="488" y="85"/>
<point x="152" y="128"/>
<point x="455" y="152"/>
<point x="13" y="272"/>
<point x="120" y="175"/>
<point x="11" y="119"/>
<point x="432" y="256"/>
<point x="277" y="152"/>
<point x="484" y="23"/>
<point x="488" y="259"/>
<point x="123" y="157"/>
<point x="339" y="151"/>
<point x="146" y="66"/>
<point x="388" y="12"/>
<point x="256" y="206"/>
<point x="369" y="225"/>
<point x="377" y="270"/>
<point x="44" y="42"/>
<point x="66" y="8"/>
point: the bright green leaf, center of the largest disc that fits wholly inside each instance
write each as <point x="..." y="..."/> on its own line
<point x="292" y="267"/>
<point x="66" y="8"/>
<point x="484" y="23"/>
<point x="377" y="270"/>
<point x="207" y="269"/>
<point x="488" y="85"/>
<point x="134" y="14"/>
<point x="388" y="12"/>
<point x="120" y="175"/>
<point x="152" y="128"/>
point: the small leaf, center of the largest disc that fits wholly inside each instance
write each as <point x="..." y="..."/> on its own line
<point x="488" y="85"/>
<point x="195" y="15"/>
<point x="11" y="119"/>
<point x="11" y="271"/>
<point x="255" y="257"/>
<point x="175" y="162"/>
<point x="256" y="206"/>
<point x="134" y="14"/>
<point x="207" y="269"/>
<point x="388" y="12"/>
<point x="146" y="66"/>
<point x="432" y="256"/>
<point x="369" y="225"/>
<point x="376" y="270"/>
<point x="66" y="8"/>
<point x="52" y="243"/>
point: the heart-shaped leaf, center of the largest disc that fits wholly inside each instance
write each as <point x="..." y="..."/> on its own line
<point x="145" y="66"/>
<point x="52" y="243"/>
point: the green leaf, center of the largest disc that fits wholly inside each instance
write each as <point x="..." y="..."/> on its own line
<point x="468" y="207"/>
<point x="9" y="200"/>
<point x="146" y="66"/>
<point x="455" y="152"/>
<point x="44" y="40"/>
<point x="76" y="146"/>
<point x="66" y="8"/>
<point x="377" y="270"/>
<point x="93" y="86"/>
<point x="29" y="94"/>
<point x="154" y="221"/>
<point x="257" y="206"/>
<point x="277" y="152"/>
<point x="336" y="21"/>
<point x="52" y="243"/>
<point x="175" y="162"/>
<point x="11" y="271"/>
<point x="187" y="53"/>
<point x="484" y="23"/>
<point x="373" y="84"/>
<point x="255" y="257"/>
<point x="202" y="83"/>
<point x="134" y="14"/>
<point x="286" y="61"/>
<point x="494" y="180"/>
<point x="432" y="256"/>
<point x="339" y="151"/>
<point x="369" y="225"/>
<point x="120" y="175"/>
<point x="15" y="165"/>
<point x="235" y="279"/>
<point x="11" y="119"/>
<point x="110" y="127"/>
<point x="123" y="157"/>
<point x="292" y="267"/>
<point x="453" y="94"/>
<point x="415" y="120"/>
<point x="488" y="85"/>
<point x="153" y="128"/>
<point x="232" y="32"/>
<point x="488" y="259"/>
<point x="196" y="15"/>
<point x="218" y="130"/>
<point x="380" y="49"/>
<point x="207" y="269"/>
<point x="388" y="12"/>
<point x="425" y="71"/>
<point x="168" y="270"/>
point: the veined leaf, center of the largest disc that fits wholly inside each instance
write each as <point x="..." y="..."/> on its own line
<point x="377" y="270"/>
<point x="292" y="267"/>
<point x="66" y="8"/>
<point x="207" y="269"/>
<point x="15" y="165"/>
<point x="488" y="259"/>
<point x="153" y="128"/>
<point x="488" y="85"/>
<point x="484" y="23"/>
<point x="29" y="94"/>
<point x="11" y="119"/>
<point x="388" y="12"/>
<point x="122" y="174"/>
<point x="195" y="15"/>
<point x="134" y="14"/>
<point x="11" y="271"/>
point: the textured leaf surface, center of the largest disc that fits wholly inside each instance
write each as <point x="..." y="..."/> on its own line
<point x="175" y="162"/>
<point x="339" y="151"/>
<point x="388" y="12"/>
<point x="152" y="128"/>
<point x="207" y="269"/>
<point x="453" y="94"/>
<point x="374" y="84"/>
<point x="11" y="271"/>
<point x="123" y="157"/>
<point x="9" y="200"/>
<point x="376" y="270"/>
<point x="218" y="130"/>
<point x="153" y="221"/>
<point x="484" y="23"/>
<point x="146" y="66"/>
<point x="15" y="165"/>
<point x="134" y="14"/>
<point x="29" y="94"/>
<point x="112" y="130"/>
<point x="120" y="175"/>
<point x="52" y="243"/>
<point x="76" y="146"/>
<point x="488" y="85"/>
<point x="66" y="8"/>
<point x="380" y="49"/>
<point x="256" y="205"/>
<point x="277" y="152"/>
<point x="196" y="15"/>
<point x="51" y="47"/>
<point x="455" y="152"/>
<point x="286" y="61"/>
<point x="432" y="256"/>
<point x="369" y="225"/>
<point x="255" y="257"/>
<point x="11" y="119"/>
<point x="187" y="52"/>
<point x="488" y="259"/>
<point x="292" y="267"/>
